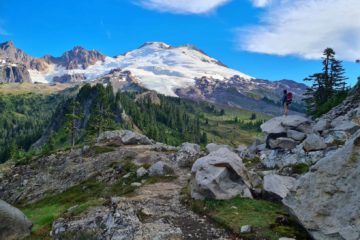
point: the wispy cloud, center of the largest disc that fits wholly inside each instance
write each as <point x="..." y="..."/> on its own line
<point x="182" y="6"/>
<point x="261" y="3"/>
<point x="304" y="28"/>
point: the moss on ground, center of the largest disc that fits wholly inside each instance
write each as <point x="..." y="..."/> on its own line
<point x="252" y="162"/>
<point x="269" y="220"/>
<point x="103" y="149"/>
<point x="300" y="168"/>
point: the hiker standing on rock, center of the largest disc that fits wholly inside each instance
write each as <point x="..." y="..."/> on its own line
<point x="286" y="101"/>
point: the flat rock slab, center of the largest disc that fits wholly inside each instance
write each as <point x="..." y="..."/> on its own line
<point x="278" y="185"/>
<point x="281" y="124"/>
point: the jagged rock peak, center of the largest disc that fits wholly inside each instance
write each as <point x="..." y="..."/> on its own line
<point x="78" y="57"/>
<point x="9" y="51"/>
<point x="7" y="44"/>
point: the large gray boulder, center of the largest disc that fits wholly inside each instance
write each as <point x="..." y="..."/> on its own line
<point x="296" y="135"/>
<point x="281" y="124"/>
<point x="314" y="142"/>
<point x="294" y="121"/>
<point x="278" y="185"/>
<point x="187" y="154"/>
<point x="13" y="223"/>
<point x="219" y="175"/>
<point x="160" y="168"/>
<point x="326" y="200"/>
<point x="282" y="143"/>
<point x="273" y="126"/>
<point x="347" y="126"/>
<point x="124" y="137"/>
<point x="321" y="125"/>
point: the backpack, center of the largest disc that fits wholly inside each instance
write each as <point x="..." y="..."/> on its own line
<point x="289" y="98"/>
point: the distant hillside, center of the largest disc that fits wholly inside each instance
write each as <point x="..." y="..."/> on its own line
<point x="78" y="118"/>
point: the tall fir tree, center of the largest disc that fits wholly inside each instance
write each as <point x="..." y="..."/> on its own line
<point x="328" y="87"/>
<point x="71" y="120"/>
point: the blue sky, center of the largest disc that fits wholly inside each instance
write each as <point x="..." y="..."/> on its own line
<point x="262" y="38"/>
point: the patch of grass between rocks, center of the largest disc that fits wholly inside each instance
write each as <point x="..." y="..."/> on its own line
<point x="269" y="220"/>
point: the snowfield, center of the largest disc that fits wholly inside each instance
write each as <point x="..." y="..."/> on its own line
<point x="156" y="65"/>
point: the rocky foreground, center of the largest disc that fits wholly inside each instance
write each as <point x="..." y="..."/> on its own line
<point x="312" y="167"/>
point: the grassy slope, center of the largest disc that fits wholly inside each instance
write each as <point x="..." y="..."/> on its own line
<point x="223" y="129"/>
<point x="263" y="216"/>
<point x="39" y="88"/>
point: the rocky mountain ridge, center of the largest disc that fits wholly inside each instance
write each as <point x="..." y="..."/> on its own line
<point x="183" y="71"/>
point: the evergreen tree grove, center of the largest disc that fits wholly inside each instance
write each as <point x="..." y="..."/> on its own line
<point x="328" y="88"/>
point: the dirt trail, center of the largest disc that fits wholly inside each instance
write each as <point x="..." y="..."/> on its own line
<point x="161" y="203"/>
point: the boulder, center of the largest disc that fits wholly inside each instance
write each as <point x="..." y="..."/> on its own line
<point x="219" y="175"/>
<point x="125" y="137"/>
<point x="305" y="128"/>
<point x="282" y="143"/>
<point x="314" y="142"/>
<point x="279" y="158"/>
<point x="212" y="147"/>
<point x="347" y="126"/>
<point x="278" y="185"/>
<point x="297" y="136"/>
<point x="160" y="168"/>
<point x="321" y="125"/>
<point x="246" y="229"/>
<point x="274" y="125"/>
<point x="13" y="223"/>
<point x="187" y="154"/>
<point x="326" y="200"/>
<point x="141" y="172"/>
<point x="294" y="121"/>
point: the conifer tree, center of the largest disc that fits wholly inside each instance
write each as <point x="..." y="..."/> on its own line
<point x="328" y="87"/>
<point x="71" y="119"/>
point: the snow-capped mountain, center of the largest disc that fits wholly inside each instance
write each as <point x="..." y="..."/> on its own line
<point x="174" y="71"/>
<point x="158" y="66"/>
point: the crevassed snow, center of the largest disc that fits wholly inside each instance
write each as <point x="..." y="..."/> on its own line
<point x="158" y="67"/>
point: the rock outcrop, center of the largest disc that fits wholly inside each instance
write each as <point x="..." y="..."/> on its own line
<point x="297" y="140"/>
<point x="160" y="169"/>
<point x="187" y="154"/>
<point x="69" y="78"/>
<point x="278" y="185"/>
<point x="219" y="175"/>
<point x="13" y="223"/>
<point x="125" y="137"/>
<point x="326" y="200"/>
<point x="57" y="172"/>
<point x="13" y="73"/>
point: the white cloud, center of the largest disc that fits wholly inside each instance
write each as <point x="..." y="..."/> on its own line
<point x="305" y="27"/>
<point x="182" y="6"/>
<point x="261" y="3"/>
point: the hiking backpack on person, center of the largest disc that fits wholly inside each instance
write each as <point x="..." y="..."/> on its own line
<point x="289" y="98"/>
